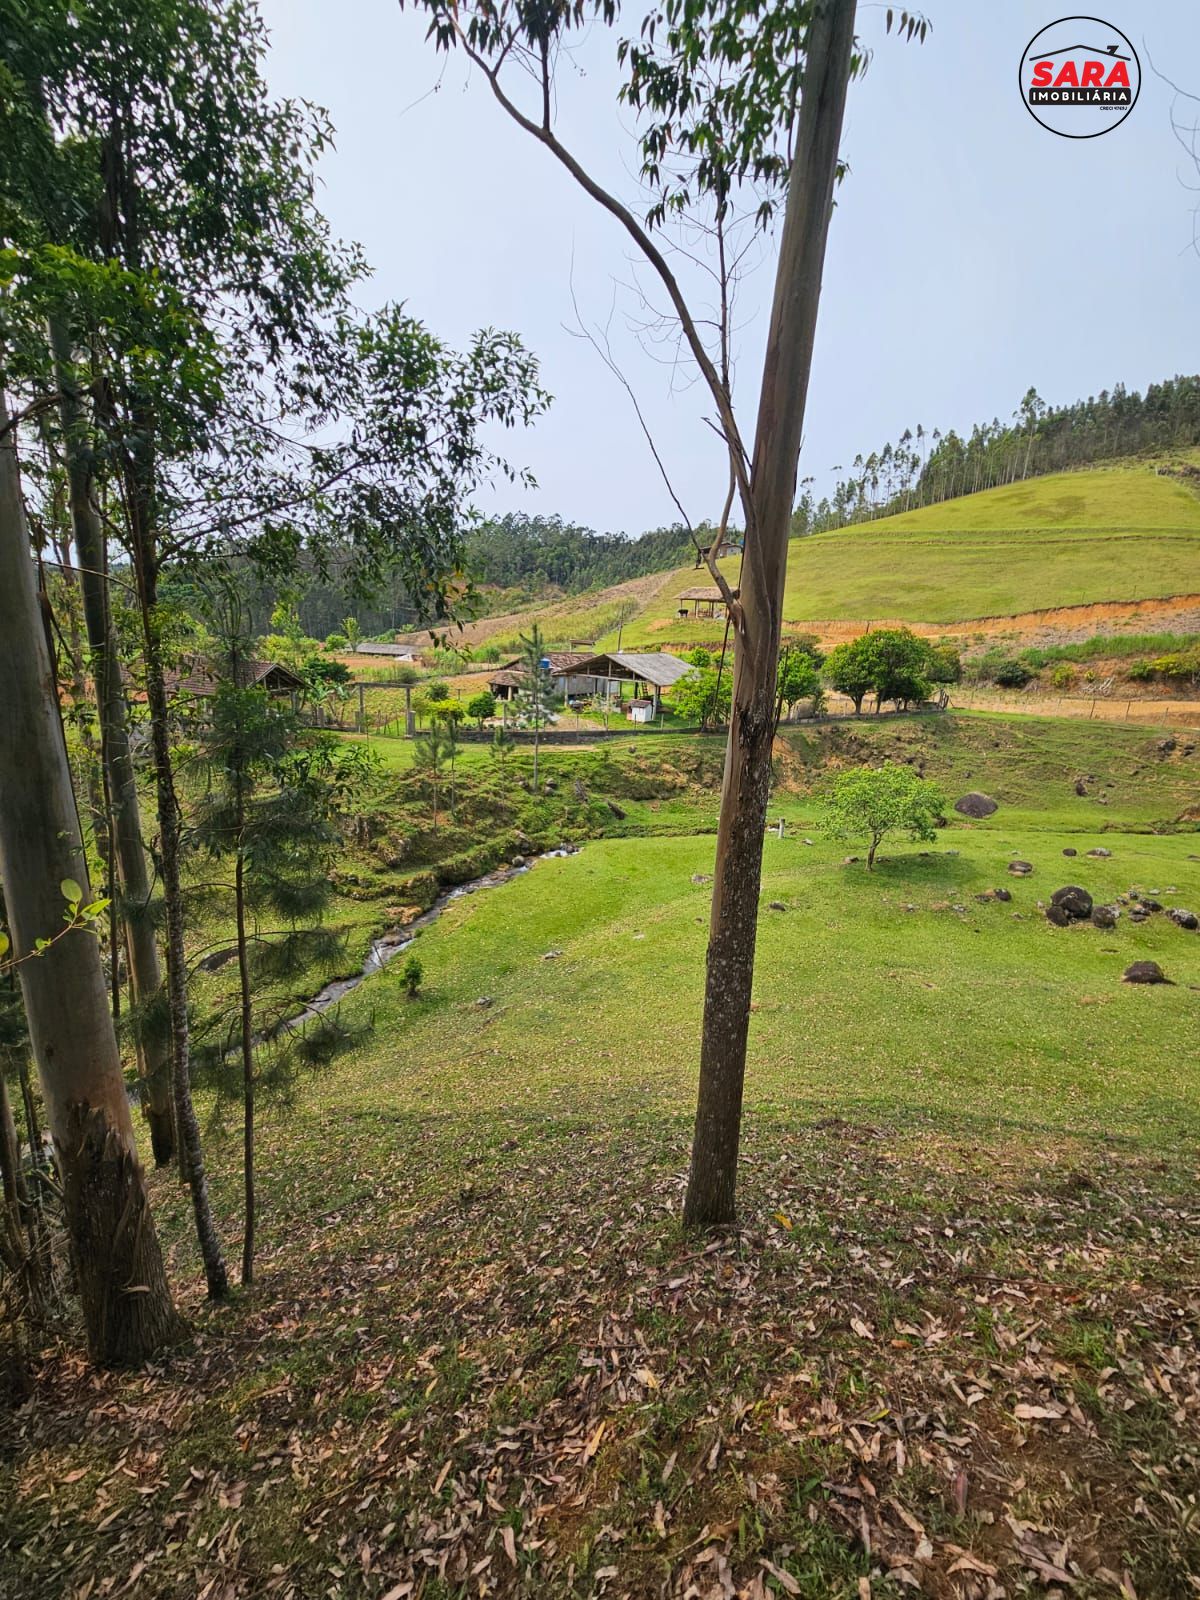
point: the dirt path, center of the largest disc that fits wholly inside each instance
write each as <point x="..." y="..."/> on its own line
<point x="1178" y="613"/>
<point x="1169" y="715"/>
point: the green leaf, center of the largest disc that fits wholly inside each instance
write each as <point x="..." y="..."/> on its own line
<point x="71" y="891"/>
<point x="3" y="944"/>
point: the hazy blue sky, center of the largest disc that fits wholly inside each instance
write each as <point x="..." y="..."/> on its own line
<point x="971" y="254"/>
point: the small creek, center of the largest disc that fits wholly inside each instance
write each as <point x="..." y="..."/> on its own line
<point x="389" y="944"/>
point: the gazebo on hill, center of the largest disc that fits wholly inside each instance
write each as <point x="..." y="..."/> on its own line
<point x="702" y="602"/>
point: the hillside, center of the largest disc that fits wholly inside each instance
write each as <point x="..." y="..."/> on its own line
<point x="1116" y="534"/>
<point x="1067" y="539"/>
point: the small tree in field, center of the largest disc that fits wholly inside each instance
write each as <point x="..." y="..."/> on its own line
<point x="481" y="707"/>
<point x="873" y="802"/>
<point x="536" y="694"/>
<point x="704" y="696"/>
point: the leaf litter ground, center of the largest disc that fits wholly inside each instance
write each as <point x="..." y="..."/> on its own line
<point x="485" y="1361"/>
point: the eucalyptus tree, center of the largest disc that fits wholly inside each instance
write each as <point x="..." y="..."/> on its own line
<point x="127" y="1308"/>
<point x="740" y="109"/>
<point x="238" y="403"/>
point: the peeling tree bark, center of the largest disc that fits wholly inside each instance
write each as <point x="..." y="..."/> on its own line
<point x="144" y="968"/>
<point x="712" y="1180"/>
<point x="127" y="1308"/>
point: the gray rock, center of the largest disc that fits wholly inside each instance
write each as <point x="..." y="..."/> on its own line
<point x="1105" y="916"/>
<point x="1076" y="902"/>
<point x="1059" y="916"/>
<point x="1144" y="972"/>
<point x="1020" y="869"/>
<point x="976" y="805"/>
<point x="552" y="955"/>
<point x="1184" y="919"/>
<point x="702" y="877"/>
<point x="1100" y="852"/>
<point x="484" y="1001"/>
<point x="776" y="905"/>
<point x="518" y="861"/>
<point x="1070" y="851"/>
<point x="1002" y="894"/>
<point x="1152" y="905"/>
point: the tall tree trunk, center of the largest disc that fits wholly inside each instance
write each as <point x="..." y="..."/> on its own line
<point x="144" y="968"/>
<point x="710" y="1198"/>
<point x="247" y="1067"/>
<point x="187" y="1128"/>
<point x="127" y="1308"/>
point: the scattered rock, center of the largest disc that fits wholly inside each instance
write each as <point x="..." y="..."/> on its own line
<point x="976" y="805"/>
<point x="1152" y="905"/>
<point x="1100" y="852"/>
<point x="849" y="861"/>
<point x="702" y="877"/>
<point x="518" y="861"/>
<point x="1144" y="972"/>
<point x="1076" y="902"/>
<point x="1070" y="851"/>
<point x="776" y="905"/>
<point x="484" y="1001"/>
<point x="1020" y="869"/>
<point x="1184" y="919"/>
<point x="552" y="955"/>
<point x="217" y="959"/>
<point x="1165" y="746"/>
<point x="1104" y="916"/>
<point x="1080" y="787"/>
<point x="1059" y="916"/>
<point x="1002" y="894"/>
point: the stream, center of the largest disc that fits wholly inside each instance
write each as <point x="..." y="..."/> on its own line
<point x="389" y="944"/>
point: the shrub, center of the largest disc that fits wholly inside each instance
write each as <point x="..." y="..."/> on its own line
<point x="411" y="974"/>
<point x="1063" y="676"/>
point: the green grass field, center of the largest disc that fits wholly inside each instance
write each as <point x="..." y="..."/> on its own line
<point x="951" y="1341"/>
<point x="1122" y="533"/>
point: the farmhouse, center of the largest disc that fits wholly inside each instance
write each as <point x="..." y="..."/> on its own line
<point x="505" y="683"/>
<point x="195" y="676"/>
<point x="730" y="545"/>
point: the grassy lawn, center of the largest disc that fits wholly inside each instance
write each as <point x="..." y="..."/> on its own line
<point x="950" y="1348"/>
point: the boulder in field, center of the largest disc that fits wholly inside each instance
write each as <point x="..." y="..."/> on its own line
<point x="1152" y="905"/>
<point x="1104" y="916"/>
<point x="1070" y="851"/>
<point x="1059" y="916"/>
<point x="1020" y="869"/>
<point x="976" y="805"/>
<point x="1076" y="902"/>
<point x="1144" y="972"/>
<point x="1184" y="919"/>
<point x="1100" y="851"/>
<point x="1002" y="894"/>
<point x="776" y="905"/>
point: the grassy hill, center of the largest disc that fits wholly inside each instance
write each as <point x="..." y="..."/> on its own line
<point x="1120" y="533"/>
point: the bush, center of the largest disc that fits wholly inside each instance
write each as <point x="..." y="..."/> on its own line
<point x="1063" y="676"/>
<point x="411" y="974"/>
<point x="1010" y="672"/>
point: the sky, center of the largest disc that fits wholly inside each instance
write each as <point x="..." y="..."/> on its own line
<point x="971" y="253"/>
